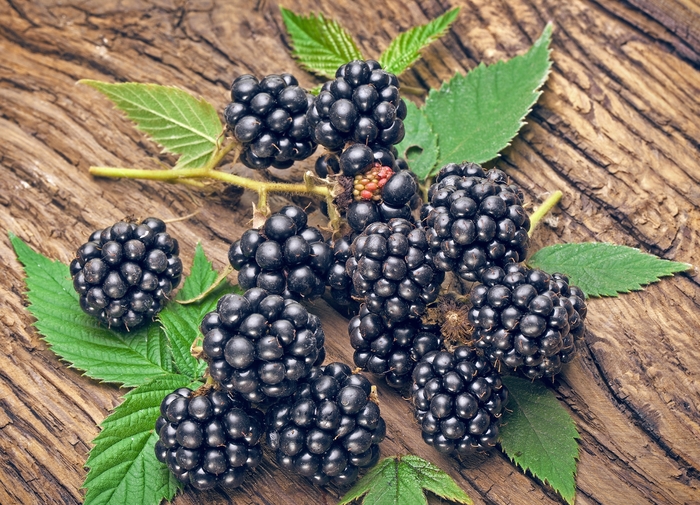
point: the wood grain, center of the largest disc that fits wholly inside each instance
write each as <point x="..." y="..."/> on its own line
<point x="616" y="130"/>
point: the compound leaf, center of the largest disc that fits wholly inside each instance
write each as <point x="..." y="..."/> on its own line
<point x="181" y="322"/>
<point x="420" y="145"/>
<point x="400" y="480"/>
<point x="405" y="49"/>
<point x="178" y="121"/>
<point x="601" y="269"/>
<point x="321" y="45"/>
<point x="126" y="358"/>
<point x="123" y="466"/>
<point x="476" y="115"/>
<point x="538" y="434"/>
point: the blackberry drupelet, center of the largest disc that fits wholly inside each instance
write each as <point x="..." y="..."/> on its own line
<point x="392" y="270"/>
<point x="260" y="345"/>
<point x="285" y="257"/>
<point x="527" y="319"/>
<point x="361" y="105"/>
<point x="338" y="280"/>
<point x="329" y="429"/>
<point x="390" y="352"/>
<point x="475" y="219"/>
<point x="208" y="437"/>
<point x="269" y="118"/>
<point x="459" y="399"/>
<point x="125" y="273"/>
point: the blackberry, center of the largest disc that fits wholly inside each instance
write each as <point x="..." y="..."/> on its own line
<point x="269" y="118"/>
<point x="362" y="106"/>
<point x="329" y="429"/>
<point x="260" y="345"/>
<point x="342" y="291"/>
<point x="125" y="273"/>
<point x="392" y="269"/>
<point x="527" y="319"/>
<point x="390" y="352"/>
<point x="475" y="220"/>
<point x="285" y="257"/>
<point x="459" y="399"/>
<point x="208" y="437"/>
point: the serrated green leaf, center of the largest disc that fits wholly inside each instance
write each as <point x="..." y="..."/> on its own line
<point x="401" y="480"/>
<point x="476" y="115"/>
<point x="178" y="121"/>
<point x="321" y="45"/>
<point x="538" y="434"/>
<point x="601" y="269"/>
<point x="420" y="145"/>
<point x="123" y="466"/>
<point x="129" y="359"/>
<point x="181" y="322"/>
<point x="405" y="49"/>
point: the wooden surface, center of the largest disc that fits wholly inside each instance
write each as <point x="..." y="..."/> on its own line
<point x="617" y="130"/>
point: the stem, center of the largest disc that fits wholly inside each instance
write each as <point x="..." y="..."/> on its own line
<point x="542" y="211"/>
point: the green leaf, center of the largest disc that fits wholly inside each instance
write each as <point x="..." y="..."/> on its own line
<point x="129" y="359"/>
<point x="181" y="322"/>
<point x="405" y="49"/>
<point x="477" y="115"/>
<point x="123" y="466"/>
<point x="538" y="434"/>
<point x="175" y="119"/>
<point x="321" y="45"/>
<point x="420" y="145"/>
<point x="601" y="269"/>
<point x="401" y="480"/>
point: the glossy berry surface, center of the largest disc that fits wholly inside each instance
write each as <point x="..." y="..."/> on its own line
<point x="392" y="270"/>
<point x="268" y="117"/>
<point x="459" y="399"/>
<point x="260" y="345"/>
<point x="209" y="437"/>
<point x="474" y="220"/>
<point x="284" y="257"/>
<point x="526" y="319"/>
<point x="329" y="429"/>
<point x="390" y="352"/>
<point x="361" y="106"/>
<point x="125" y="273"/>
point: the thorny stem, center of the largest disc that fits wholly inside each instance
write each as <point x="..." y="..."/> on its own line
<point x="542" y="211"/>
<point x="186" y="175"/>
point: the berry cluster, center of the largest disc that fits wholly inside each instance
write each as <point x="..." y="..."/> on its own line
<point x="208" y="437"/>
<point x="392" y="269"/>
<point x="527" y="319"/>
<point x="459" y="400"/>
<point x="329" y="429"/>
<point x="475" y="220"/>
<point x="269" y="118"/>
<point x="390" y="352"/>
<point x="361" y="105"/>
<point x="260" y="345"/>
<point x="125" y="272"/>
<point x="286" y="257"/>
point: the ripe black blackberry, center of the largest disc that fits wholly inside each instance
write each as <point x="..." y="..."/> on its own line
<point x="125" y="273"/>
<point x="390" y="352"/>
<point x="329" y="429"/>
<point x="392" y="269"/>
<point x="527" y="319"/>
<point x="285" y="257"/>
<point x="361" y="105"/>
<point x="338" y="280"/>
<point x="208" y="437"/>
<point x="475" y="219"/>
<point x="459" y="399"/>
<point x="260" y="345"/>
<point x="269" y="118"/>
